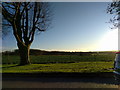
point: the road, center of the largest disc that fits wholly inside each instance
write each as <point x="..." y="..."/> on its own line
<point x="59" y="82"/>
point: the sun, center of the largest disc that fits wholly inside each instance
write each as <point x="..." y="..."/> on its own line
<point x="109" y="42"/>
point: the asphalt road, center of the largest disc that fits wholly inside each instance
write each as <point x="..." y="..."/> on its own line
<point x="61" y="81"/>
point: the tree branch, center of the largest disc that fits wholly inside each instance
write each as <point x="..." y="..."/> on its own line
<point x="24" y="8"/>
<point x="32" y="32"/>
<point x="6" y="14"/>
<point x="40" y="29"/>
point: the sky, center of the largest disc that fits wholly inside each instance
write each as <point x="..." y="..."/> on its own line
<point x="76" y="26"/>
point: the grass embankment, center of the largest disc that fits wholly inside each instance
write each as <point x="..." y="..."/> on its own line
<point x="82" y="67"/>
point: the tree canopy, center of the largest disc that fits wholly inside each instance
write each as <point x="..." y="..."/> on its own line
<point x="114" y="9"/>
<point x="26" y="18"/>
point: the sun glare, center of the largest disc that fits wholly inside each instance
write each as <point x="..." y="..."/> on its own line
<point x="109" y="42"/>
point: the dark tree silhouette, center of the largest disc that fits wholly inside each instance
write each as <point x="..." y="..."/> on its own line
<point x="114" y="9"/>
<point x="26" y="19"/>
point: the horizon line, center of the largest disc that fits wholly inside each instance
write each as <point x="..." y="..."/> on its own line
<point x="66" y="50"/>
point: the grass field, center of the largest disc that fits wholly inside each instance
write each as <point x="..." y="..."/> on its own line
<point x="60" y="63"/>
<point x="82" y="67"/>
<point x="7" y="59"/>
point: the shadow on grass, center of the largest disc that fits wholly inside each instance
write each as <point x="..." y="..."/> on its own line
<point x="11" y="66"/>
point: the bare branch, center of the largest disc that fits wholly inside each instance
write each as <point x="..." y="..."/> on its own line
<point x="40" y="29"/>
<point x="6" y="14"/>
<point x="114" y="9"/>
<point x="6" y="24"/>
<point x="31" y="34"/>
<point x="24" y="7"/>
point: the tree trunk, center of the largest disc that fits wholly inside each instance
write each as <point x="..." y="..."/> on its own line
<point x="24" y="54"/>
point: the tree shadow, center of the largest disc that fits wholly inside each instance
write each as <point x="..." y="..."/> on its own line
<point x="11" y="66"/>
<point x="98" y="78"/>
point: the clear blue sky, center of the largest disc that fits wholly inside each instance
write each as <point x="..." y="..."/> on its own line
<point x="76" y="26"/>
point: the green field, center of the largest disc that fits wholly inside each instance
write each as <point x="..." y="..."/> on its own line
<point x="60" y="63"/>
<point x="10" y="59"/>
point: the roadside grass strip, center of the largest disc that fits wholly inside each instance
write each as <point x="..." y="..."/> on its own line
<point x="81" y="67"/>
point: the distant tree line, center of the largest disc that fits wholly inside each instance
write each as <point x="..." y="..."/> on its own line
<point x="43" y="52"/>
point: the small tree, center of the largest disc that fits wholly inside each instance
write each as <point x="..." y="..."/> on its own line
<point x="114" y="9"/>
<point x="26" y="19"/>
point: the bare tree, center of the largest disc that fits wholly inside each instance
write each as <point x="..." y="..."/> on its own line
<point x="114" y="9"/>
<point x="26" y="19"/>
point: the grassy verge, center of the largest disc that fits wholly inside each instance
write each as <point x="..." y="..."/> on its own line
<point x="81" y="67"/>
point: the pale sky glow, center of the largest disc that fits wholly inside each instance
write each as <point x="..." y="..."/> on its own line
<point x="76" y="26"/>
<point x="109" y="41"/>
